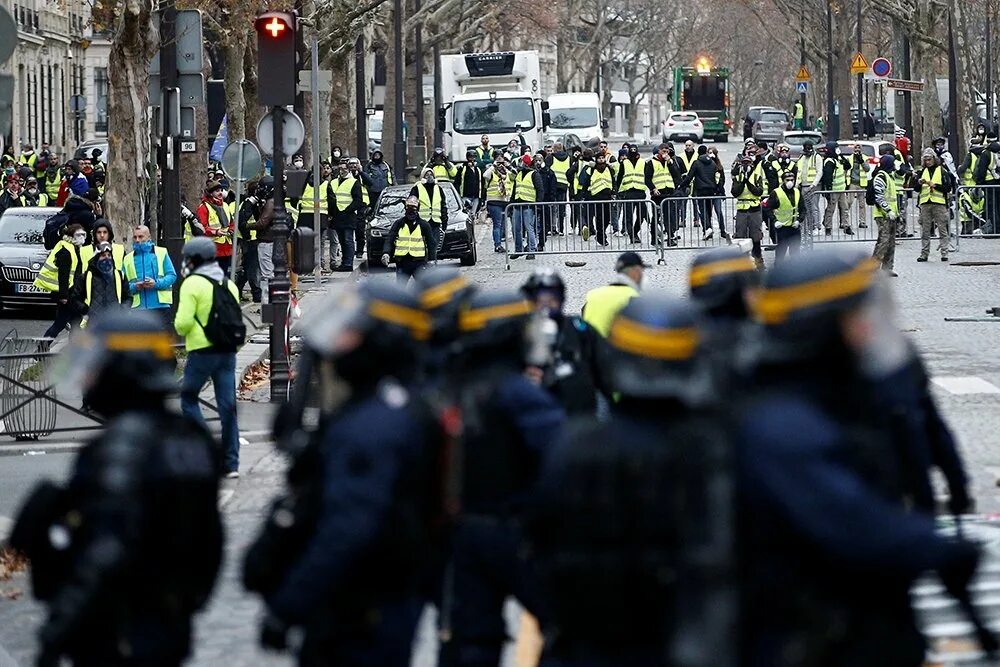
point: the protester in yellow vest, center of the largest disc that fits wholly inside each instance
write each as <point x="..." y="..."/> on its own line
<point x="433" y="206"/>
<point x="443" y="168"/>
<point x="103" y="233"/>
<point x="101" y="287"/>
<point x="408" y="242"/>
<point x="933" y="197"/>
<point x="60" y="271"/>
<point x="603" y="303"/>
<point x="216" y="223"/>
<point x="789" y="209"/>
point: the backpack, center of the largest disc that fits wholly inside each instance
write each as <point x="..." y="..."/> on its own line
<point x="51" y="232"/>
<point x="870" y="188"/>
<point x="224" y="328"/>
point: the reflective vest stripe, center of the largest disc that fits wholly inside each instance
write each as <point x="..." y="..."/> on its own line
<point x="410" y="242"/>
<point x="430" y="205"/>
<point x="788" y="208"/>
<point x="968" y="179"/>
<point x="525" y="191"/>
<point x="635" y="175"/>
<point x="48" y="277"/>
<point x="560" y="169"/>
<point x="493" y="191"/>
<point x="164" y="295"/>
<point x="306" y="201"/>
<point x="216" y="224"/>
<point x="746" y="199"/>
<point x="927" y="194"/>
<point x="662" y="178"/>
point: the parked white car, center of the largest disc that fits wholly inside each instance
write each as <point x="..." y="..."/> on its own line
<point x="683" y="125"/>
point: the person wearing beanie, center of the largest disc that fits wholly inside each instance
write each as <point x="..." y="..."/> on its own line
<point x="217" y="223"/>
<point x="886" y="212"/>
<point x="935" y="183"/>
<point x="527" y="188"/>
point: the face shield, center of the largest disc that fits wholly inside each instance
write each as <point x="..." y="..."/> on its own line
<point x="872" y="331"/>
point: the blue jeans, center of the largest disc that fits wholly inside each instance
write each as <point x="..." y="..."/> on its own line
<point x="523" y="218"/>
<point x="495" y="209"/>
<point x="221" y="368"/>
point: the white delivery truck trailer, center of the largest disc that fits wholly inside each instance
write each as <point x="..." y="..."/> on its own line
<point x="496" y="94"/>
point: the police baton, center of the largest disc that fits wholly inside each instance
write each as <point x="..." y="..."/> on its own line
<point x="987" y="640"/>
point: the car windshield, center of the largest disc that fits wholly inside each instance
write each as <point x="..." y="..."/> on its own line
<point x="801" y="139"/>
<point x="390" y="204"/>
<point x="22" y="227"/>
<point x="774" y="117"/>
<point x="574" y="118"/>
<point x="483" y="116"/>
<point x="374" y="124"/>
<point x="683" y="117"/>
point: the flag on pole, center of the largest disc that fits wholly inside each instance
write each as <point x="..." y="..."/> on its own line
<point x="221" y="141"/>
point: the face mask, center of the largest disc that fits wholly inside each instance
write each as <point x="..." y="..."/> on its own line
<point x="79" y="239"/>
<point x="142" y="246"/>
<point x="410" y="214"/>
<point x="428" y="179"/>
<point x="298" y="164"/>
<point x="33" y="191"/>
<point x="8" y="171"/>
<point x="789" y="184"/>
<point x="105" y="264"/>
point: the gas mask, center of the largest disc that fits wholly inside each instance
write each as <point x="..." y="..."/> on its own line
<point x="428" y="178"/>
<point x="540" y="334"/>
<point x="79" y="238"/>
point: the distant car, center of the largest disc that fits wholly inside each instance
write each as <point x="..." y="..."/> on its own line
<point x="375" y="132"/>
<point x="797" y="138"/>
<point x="870" y="149"/>
<point x="458" y="241"/>
<point x="683" y="125"/>
<point x="86" y="149"/>
<point x="22" y="254"/>
<point x="770" y="125"/>
<point x="568" y="140"/>
<point x="753" y="113"/>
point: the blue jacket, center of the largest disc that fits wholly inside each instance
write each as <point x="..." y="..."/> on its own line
<point x="146" y="266"/>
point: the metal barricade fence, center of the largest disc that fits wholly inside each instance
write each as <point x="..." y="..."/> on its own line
<point x="22" y="382"/>
<point x="977" y="211"/>
<point x="580" y="227"/>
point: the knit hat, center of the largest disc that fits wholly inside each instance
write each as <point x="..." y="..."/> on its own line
<point x="928" y="152"/>
<point x="212" y="187"/>
<point x="526" y="160"/>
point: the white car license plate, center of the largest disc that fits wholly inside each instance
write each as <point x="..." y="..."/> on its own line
<point x="29" y="289"/>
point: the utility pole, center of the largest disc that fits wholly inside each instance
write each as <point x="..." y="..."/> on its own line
<point x="360" y="101"/>
<point x="832" y="128"/>
<point x="170" y="214"/>
<point x="989" y="69"/>
<point x="861" y="84"/>
<point x="399" y="145"/>
<point x="420" y="141"/>
<point x="802" y="59"/>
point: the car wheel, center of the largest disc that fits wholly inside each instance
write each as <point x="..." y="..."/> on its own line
<point x="469" y="258"/>
<point x="373" y="260"/>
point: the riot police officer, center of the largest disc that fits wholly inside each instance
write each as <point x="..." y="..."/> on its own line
<point x="343" y="555"/>
<point x="572" y="376"/>
<point x="830" y="553"/>
<point x="442" y="292"/>
<point x="507" y="423"/>
<point x="632" y="528"/>
<point x="130" y="549"/>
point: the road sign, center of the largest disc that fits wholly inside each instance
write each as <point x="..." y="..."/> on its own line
<point x="323" y="76"/>
<point x="801" y="87"/>
<point x="77" y="103"/>
<point x="905" y="85"/>
<point x="190" y="43"/>
<point x="293" y="133"/>
<point x="858" y="64"/>
<point x="8" y="35"/>
<point x="241" y="160"/>
<point x="881" y="67"/>
<point x="192" y="89"/>
<point x="803" y="74"/>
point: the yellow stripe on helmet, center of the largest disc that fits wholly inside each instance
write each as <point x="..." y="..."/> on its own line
<point x="775" y="304"/>
<point x="475" y="319"/>
<point x="666" y="344"/>
<point x="703" y="273"/>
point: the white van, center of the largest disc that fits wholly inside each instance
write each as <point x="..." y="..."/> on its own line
<point x="577" y="113"/>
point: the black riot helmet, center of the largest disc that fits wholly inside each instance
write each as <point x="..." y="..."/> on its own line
<point x="801" y="301"/>
<point x="718" y="281"/>
<point x="442" y="292"/>
<point x="652" y="352"/>
<point x="493" y="327"/>
<point x="544" y="278"/>
<point x="123" y="360"/>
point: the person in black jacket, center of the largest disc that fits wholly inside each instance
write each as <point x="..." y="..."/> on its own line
<point x="469" y="181"/>
<point x="101" y="286"/>
<point x="549" y="220"/>
<point x="81" y="210"/>
<point x="68" y="271"/>
<point x="345" y="204"/>
<point x="702" y="179"/>
<point x="662" y="178"/>
<point x="409" y="242"/>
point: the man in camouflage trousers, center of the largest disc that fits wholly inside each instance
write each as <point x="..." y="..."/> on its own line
<point x="886" y="212"/>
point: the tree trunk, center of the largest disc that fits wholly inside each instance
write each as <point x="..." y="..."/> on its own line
<point x="390" y="114"/>
<point x="236" y="107"/>
<point x="250" y="89"/>
<point x="132" y="47"/>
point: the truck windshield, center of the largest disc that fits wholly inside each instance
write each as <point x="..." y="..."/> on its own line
<point x="704" y="92"/>
<point x="483" y="116"/>
<point x="575" y="118"/>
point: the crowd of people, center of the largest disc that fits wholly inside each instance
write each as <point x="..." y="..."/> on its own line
<point x="650" y="492"/>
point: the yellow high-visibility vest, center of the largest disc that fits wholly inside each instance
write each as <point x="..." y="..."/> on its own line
<point x="117" y="254"/>
<point x="525" y="191"/>
<point x="600" y="181"/>
<point x="634" y="177"/>
<point x="430" y="204"/>
<point x="560" y="168"/>
<point x="927" y="193"/>
<point x="410" y="242"/>
<point x="215" y="223"/>
<point x="48" y="276"/>
<point x="306" y="202"/>
<point x="890" y="195"/>
<point x="90" y="285"/>
<point x="604" y="303"/>
<point x="343" y="190"/>
<point x="788" y="208"/>
<point x="839" y="182"/>
<point x="662" y="178"/>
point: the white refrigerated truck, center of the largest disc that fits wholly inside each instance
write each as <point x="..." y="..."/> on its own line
<point x="496" y="94"/>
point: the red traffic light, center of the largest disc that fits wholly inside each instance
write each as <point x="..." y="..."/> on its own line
<point x="275" y="25"/>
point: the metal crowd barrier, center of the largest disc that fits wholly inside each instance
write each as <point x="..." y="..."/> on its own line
<point x="973" y="222"/>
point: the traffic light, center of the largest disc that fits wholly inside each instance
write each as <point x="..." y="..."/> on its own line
<point x="275" y="58"/>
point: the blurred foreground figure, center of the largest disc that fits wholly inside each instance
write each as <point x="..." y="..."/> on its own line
<point x="342" y="553"/>
<point x="130" y="549"/>
<point x="632" y="529"/>
<point x="830" y="550"/>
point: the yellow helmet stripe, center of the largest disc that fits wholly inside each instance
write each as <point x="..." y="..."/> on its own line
<point x="474" y="319"/>
<point x="160" y="344"/>
<point x="776" y="304"/>
<point x="667" y="344"/>
<point x="700" y="275"/>
<point x="442" y="294"/>
<point x="417" y="321"/>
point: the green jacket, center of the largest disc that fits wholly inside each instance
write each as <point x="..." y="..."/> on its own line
<point x="193" y="308"/>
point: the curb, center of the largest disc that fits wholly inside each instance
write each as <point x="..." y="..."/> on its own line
<point x="42" y="448"/>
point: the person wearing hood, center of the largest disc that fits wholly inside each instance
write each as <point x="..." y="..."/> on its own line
<point x="469" y="182"/>
<point x="103" y="233"/>
<point x="216" y="223"/>
<point x="151" y="275"/>
<point x="379" y="174"/>
<point x="443" y="168"/>
<point x="61" y="270"/>
<point x="12" y="196"/>
<point x="560" y="163"/>
<point x="28" y="156"/>
<point x="967" y="170"/>
<point x="82" y="210"/>
<point x="346" y="201"/>
<point x="408" y="242"/>
<point x="33" y="196"/>
<point x="433" y="206"/>
<point x="204" y="281"/>
<point x="944" y="156"/>
<point x="631" y="185"/>
<point x="748" y="187"/>
<point x="935" y="185"/>
<point x="836" y="171"/>
<point x="663" y="180"/>
<point x="702" y="182"/>
<point x="101" y="287"/>
<point x="603" y="304"/>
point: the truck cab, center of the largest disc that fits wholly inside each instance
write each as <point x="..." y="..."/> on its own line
<point x="579" y="114"/>
<point x="496" y="94"/>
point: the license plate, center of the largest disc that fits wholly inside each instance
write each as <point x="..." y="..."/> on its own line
<point x="29" y="289"/>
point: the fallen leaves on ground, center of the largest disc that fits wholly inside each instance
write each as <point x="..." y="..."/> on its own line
<point x="11" y="562"/>
<point x="255" y="377"/>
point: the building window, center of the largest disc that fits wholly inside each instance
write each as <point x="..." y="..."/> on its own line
<point x="101" y="99"/>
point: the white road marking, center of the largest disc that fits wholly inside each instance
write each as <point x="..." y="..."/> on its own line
<point x="966" y="385"/>
<point x="224" y="496"/>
